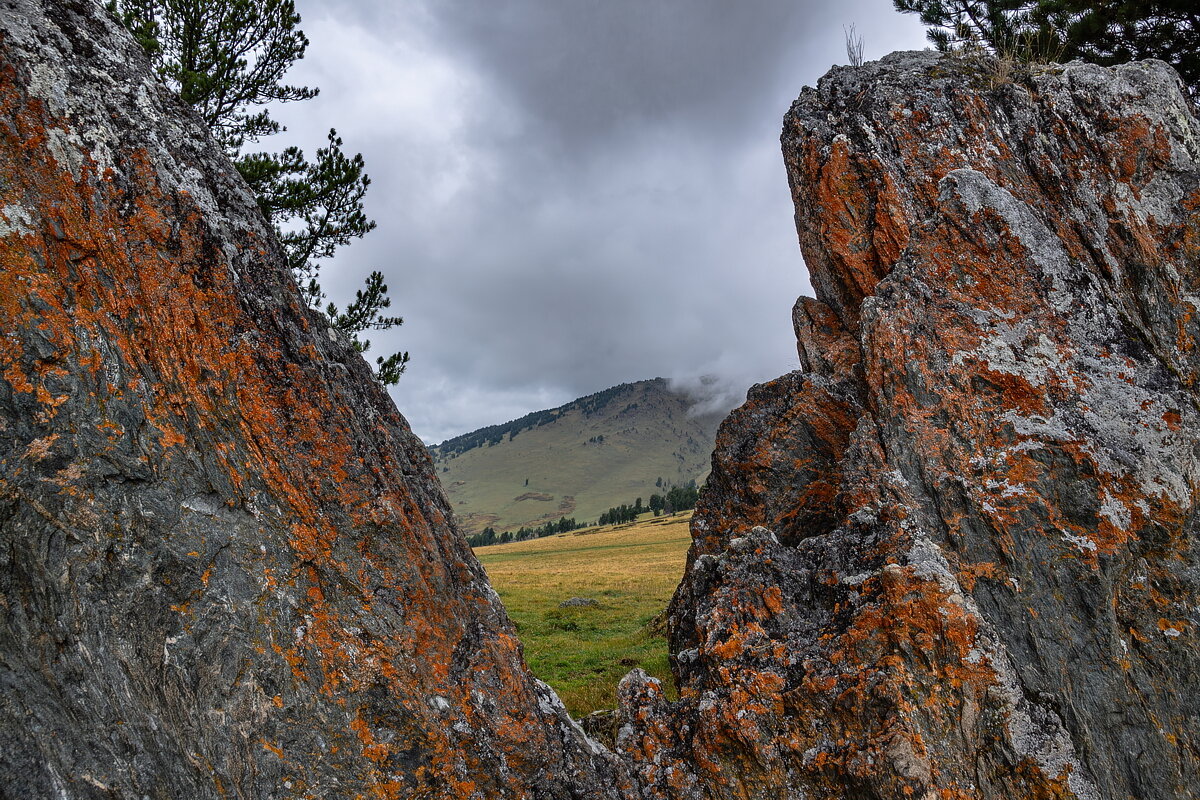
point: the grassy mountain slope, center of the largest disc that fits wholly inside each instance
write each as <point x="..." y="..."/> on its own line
<point x="577" y="460"/>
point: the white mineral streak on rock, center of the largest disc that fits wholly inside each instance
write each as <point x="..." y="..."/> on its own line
<point x="15" y="221"/>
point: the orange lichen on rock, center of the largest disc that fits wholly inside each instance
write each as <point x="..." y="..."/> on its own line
<point x="979" y="499"/>
<point x="206" y="461"/>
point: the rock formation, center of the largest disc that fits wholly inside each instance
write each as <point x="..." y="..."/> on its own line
<point x="956" y="557"/>
<point x="953" y="558"/>
<point x="226" y="567"/>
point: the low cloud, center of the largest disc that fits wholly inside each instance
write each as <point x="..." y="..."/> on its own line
<point x="710" y="395"/>
<point x="572" y="195"/>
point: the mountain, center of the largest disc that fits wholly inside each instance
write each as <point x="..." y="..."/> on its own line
<point x="577" y="460"/>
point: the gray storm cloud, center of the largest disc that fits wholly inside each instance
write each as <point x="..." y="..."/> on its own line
<point x="573" y="194"/>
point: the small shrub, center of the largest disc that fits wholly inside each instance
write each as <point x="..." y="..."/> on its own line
<point x="854" y="46"/>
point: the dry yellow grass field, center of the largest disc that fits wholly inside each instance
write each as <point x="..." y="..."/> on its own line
<point x="631" y="571"/>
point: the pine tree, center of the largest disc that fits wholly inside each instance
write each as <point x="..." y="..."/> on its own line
<point x="657" y="504"/>
<point x="366" y="313"/>
<point x="1117" y="32"/>
<point x="227" y="59"/>
<point x="957" y="24"/>
<point x="1106" y="33"/>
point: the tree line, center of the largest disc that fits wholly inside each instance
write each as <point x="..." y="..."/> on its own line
<point x="677" y="498"/>
<point x="489" y="536"/>
<point x="494" y="434"/>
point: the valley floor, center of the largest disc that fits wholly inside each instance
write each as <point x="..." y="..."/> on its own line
<point x="582" y="651"/>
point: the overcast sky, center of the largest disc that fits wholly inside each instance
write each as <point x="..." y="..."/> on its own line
<point x="572" y="194"/>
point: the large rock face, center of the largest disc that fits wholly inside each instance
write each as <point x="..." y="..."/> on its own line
<point x="978" y="572"/>
<point x="226" y="568"/>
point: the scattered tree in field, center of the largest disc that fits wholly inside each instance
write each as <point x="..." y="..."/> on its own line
<point x="677" y="498"/>
<point x="681" y="498"/>
<point x="657" y="504"/>
<point x="619" y="515"/>
<point x="227" y="59"/>
<point x="484" y="538"/>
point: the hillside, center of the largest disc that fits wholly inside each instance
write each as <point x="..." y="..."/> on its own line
<point x="576" y="460"/>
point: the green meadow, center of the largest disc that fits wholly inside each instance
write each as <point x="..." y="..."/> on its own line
<point x="630" y="570"/>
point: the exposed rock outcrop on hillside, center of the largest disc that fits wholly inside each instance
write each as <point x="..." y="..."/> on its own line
<point x="226" y="567"/>
<point x="978" y="573"/>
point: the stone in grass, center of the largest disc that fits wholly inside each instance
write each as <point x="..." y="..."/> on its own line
<point x="578" y="602"/>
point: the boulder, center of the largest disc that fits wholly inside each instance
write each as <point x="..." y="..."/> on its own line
<point x="953" y="558"/>
<point x="226" y="566"/>
<point x="956" y="557"/>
